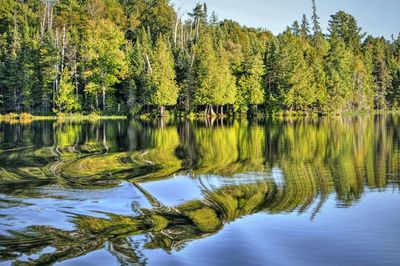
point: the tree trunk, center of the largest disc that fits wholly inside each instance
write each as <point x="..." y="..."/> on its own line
<point x="162" y="109"/>
<point x="63" y="50"/>
<point x="15" y="100"/>
<point x="104" y="97"/>
<point x="149" y="64"/>
<point x="176" y="29"/>
<point x="211" y="110"/>
<point x="222" y="110"/>
<point x="76" y="83"/>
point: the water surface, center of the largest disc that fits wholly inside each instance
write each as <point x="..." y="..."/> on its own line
<point x="320" y="191"/>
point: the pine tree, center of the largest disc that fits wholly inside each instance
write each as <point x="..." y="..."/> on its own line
<point x="293" y="76"/>
<point x="362" y="83"/>
<point x="164" y="88"/>
<point x="318" y="54"/>
<point x="305" y="27"/>
<point x="338" y="69"/>
<point x="224" y="92"/>
<point x="271" y="75"/>
<point x="296" y="28"/>
<point x="377" y="49"/>
<point x="117" y="62"/>
<point x="315" y="20"/>
<point x="345" y="26"/>
<point x="251" y="85"/>
<point x="204" y="71"/>
<point x="48" y="67"/>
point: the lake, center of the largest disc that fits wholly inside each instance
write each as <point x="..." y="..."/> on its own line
<point x="306" y="191"/>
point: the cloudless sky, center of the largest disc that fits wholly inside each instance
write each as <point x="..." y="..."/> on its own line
<point x="376" y="17"/>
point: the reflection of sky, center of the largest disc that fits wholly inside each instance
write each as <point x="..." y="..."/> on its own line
<point x="174" y="191"/>
<point x="56" y="206"/>
<point x="336" y="236"/>
<point x="377" y="17"/>
<point x="366" y="233"/>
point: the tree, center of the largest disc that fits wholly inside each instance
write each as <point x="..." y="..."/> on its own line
<point x="315" y="20"/>
<point x="271" y="75"/>
<point x="214" y="83"/>
<point x="204" y="71"/>
<point x="362" y="83"/>
<point x="157" y="18"/>
<point x="164" y="90"/>
<point x="344" y="26"/>
<point x="133" y="55"/>
<point x="106" y="63"/>
<point x="377" y="48"/>
<point x="317" y="60"/>
<point x="305" y="27"/>
<point x="296" y="28"/>
<point x="394" y="93"/>
<point x="65" y="98"/>
<point x="292" y="76"/>
<point x="224" y="92"/>
<point x="49" y="71"/>
<point x="338" y="69"/>
<point x="251" y="85"/>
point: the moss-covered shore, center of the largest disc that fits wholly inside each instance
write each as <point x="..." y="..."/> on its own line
<point x="29" y="117"/>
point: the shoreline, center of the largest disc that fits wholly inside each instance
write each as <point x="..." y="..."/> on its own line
<point x="29" y="117"/>
<point x="26" y="117"/>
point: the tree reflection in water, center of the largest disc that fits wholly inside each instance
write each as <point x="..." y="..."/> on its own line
<point x="316" y="158"/>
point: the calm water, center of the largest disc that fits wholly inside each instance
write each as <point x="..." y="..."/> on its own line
<point x="276" y="192"/>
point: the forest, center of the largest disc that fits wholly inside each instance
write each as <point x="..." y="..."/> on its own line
<point x="134" y="57"/>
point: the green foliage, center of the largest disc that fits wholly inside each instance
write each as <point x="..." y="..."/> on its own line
<point x="251" y="85"/>
<point x="137" y="56"/>
<point x="338" y="69"/>
<point x="66" y="100"/>
<point x="290" y="75"/>
<point x="318" y="159"/>
<point x="105" y="58"/>
<point x="205" y="70"/>
<point x="213" y="81"/>
<point x="164" y="91"/>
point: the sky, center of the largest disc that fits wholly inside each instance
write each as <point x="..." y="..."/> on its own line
<point x="376" y="17"/>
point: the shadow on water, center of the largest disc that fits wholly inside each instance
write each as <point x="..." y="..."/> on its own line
<point x="275" y="166"/>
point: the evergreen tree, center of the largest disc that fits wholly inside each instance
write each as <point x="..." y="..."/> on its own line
<point x="224" y="92"/>
<point x="345" y="26"/>
<point x="377" y="48"/>
<point x="293" y="75"/>
<point x="117" y="61"/>
<point x="305" y="27"/>
<point x="319" y="76"/>
<point x="49" y="71"/>
<point x="296" y="28"/>
<point x="315" y="20"/>
<point x="251" y="85"/>
<point x="338" y="69"/>
<point x="164" y="88"/>
<point x="271" y="75"/>
<point x="205" y="69"/>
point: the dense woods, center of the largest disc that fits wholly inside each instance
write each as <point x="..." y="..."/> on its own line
<point x="141" y="56"/>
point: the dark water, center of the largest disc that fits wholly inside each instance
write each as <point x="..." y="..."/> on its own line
<point x="276" y="192"/>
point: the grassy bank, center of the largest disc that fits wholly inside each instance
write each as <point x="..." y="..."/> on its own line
<point x="26" y="117"/>
<point x="29" y="117"/>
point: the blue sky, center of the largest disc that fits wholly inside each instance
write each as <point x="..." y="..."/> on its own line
<point x="376" y="17"/>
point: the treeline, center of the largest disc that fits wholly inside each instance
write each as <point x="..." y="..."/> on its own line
<point x="140" y="56"/>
